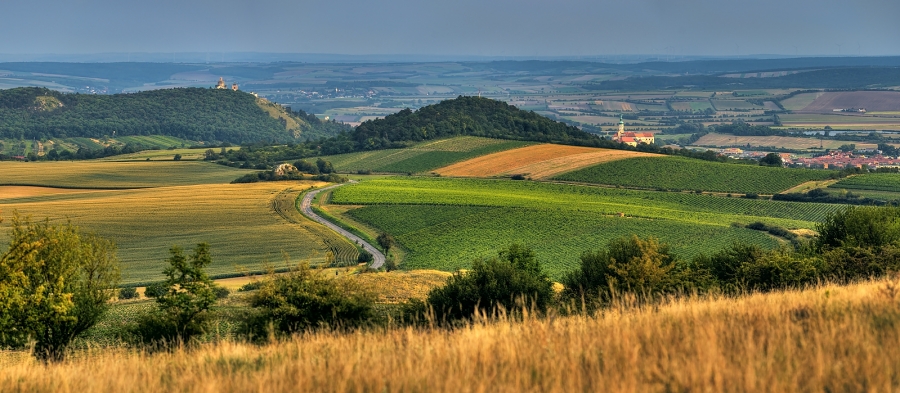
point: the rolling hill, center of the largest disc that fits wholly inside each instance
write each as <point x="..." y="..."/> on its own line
<point x="189" y="113"/>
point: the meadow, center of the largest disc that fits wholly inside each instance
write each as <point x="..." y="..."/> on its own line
<point x="445" y="223"/>
<point x="421" y="157"/>
<point x="826" y="338"/>
<point x="681" y="173"/>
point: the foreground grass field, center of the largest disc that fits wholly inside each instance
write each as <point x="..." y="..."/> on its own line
<point x="829" y="338"/>
<point x="115" y="175"/>
<point x="681" y="173"/>
<point x="446" y="223"/>
<point x="246" y="225"/>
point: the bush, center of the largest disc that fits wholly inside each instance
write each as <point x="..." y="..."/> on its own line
<point x="220" y="292"/>
<point x="250" y="286"/>
<point x="512" y="281"/>
<point x="128" y="293"/>
<point x="628" y="264"/>
<point x="364" y="257"/>
<point x="779" y="270"/>
<point x="55" y="282"/>
<point x="304" y="299"/>
<point x="865" y="226"/>
<point x="183" y="306"/>
<point x="155" y="290"/>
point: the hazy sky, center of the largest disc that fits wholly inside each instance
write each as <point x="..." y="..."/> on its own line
<point x="454" y="27"/>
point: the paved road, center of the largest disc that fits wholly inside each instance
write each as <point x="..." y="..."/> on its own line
<point x="306" y="209"/>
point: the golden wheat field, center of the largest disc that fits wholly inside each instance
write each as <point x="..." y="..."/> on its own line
<point x="829" y="338"/>
<point x="108" y="174"/>
<point x="538" y="162"/>
<point x="246" y="225"/>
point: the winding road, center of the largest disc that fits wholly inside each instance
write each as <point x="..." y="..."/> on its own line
<point x="306" y="209"/>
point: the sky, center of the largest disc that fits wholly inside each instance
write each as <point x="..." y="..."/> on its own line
<point x="530" y="28"/>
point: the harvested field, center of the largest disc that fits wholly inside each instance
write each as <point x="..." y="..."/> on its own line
<point x="538" y="161"/>
<point x="10" y="192"/>
<point x="800" y="101"/>
<point x="884" y="101"/>
<point x="115" y="175"/>
<point x="787" y="142"/>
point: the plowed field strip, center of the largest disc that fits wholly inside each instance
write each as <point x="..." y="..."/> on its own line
<point x="538" y="161"/>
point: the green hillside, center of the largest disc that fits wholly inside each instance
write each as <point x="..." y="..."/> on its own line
<point x="421" y="157"/>
<point x="678" y="173"/>
<point x="189" y="113"/>
<point x="444" y="223"/>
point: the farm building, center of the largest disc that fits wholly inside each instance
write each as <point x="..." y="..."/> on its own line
<point x="632" y="138"/>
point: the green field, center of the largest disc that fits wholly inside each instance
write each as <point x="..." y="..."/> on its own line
<point x="422" y="157"/>
<point x="871" y="181"/>
<point x="678" y="173"/>
<point x="800" y="101"/>
<point x="725" y="105"/>
<point x="106" y="175"/>
<point x="444" y="223"/>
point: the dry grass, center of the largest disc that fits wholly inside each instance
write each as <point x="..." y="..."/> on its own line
<point x="10" y="192"/>
<point x="106" y="174"/>
<point x="824" y="339"/>
<point x="538" y="161"/>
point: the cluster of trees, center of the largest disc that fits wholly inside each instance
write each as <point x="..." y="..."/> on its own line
<point x="740" y="128"/>
<point x="301" y="170"/>
<point x="187" y="113"/>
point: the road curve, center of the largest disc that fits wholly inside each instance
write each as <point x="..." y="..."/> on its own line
<point x="306" y="209"/>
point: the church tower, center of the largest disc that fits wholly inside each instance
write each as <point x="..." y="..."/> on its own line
<point x="621" y="131"/>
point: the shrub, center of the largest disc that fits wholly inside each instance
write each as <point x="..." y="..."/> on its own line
<point x="155" y="290"/>
<point x="55" y="282"/>
<point x="220" y="292"/>
<point x="364" y="257"/>
<point x="250" y="286"/>
<point x="305" y="299"/>
<point x="628" y="264"/>
<point x="128" y="293"/>
<point x="864" y="226"/>
<point x="512" y="281"/>
<point x="183" y="307"/>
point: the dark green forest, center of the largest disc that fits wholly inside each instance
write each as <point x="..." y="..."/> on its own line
<point x="188" y="113"/>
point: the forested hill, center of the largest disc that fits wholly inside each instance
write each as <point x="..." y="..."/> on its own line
<point x="474" y="116"/>
<point x="187" y="113"/>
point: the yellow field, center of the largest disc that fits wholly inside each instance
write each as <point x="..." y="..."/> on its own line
<point x="9" y="192"/>
<point x="828" y="338"/>
<point x="538" y="161"/>
<point x="246" y="225"/>
<point x="165" y="155"/>
<point x="103" y="174"/>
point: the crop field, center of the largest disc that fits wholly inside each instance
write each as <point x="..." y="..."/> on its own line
<point x="158" y="141"/>
<point x="246" y="225"/>
<point x="422" y="157"/>
<point x="538" y="161"/>
<point x="690" y="105"/>
<point x="678" y="173"/>
<point x="840" y="122"/>
<point x="445" y="223"/>
<point x="870" y="100"/>
<point x="725" y="105"/>
<point x="115" y="175"/>
<point x="871" y="181"/>
<point x="800" y="101"/>
<point x="164" y="155"/>
<point x="787" y="142"/>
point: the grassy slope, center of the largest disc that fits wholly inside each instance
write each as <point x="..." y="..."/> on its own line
<point x="445" y="223"/>
<point x="828" y="338"/>
<point x="422" y="157"/>
<point x="681" y="173"/>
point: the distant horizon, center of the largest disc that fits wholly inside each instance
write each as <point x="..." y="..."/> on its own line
<point x="273" y="57"/>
